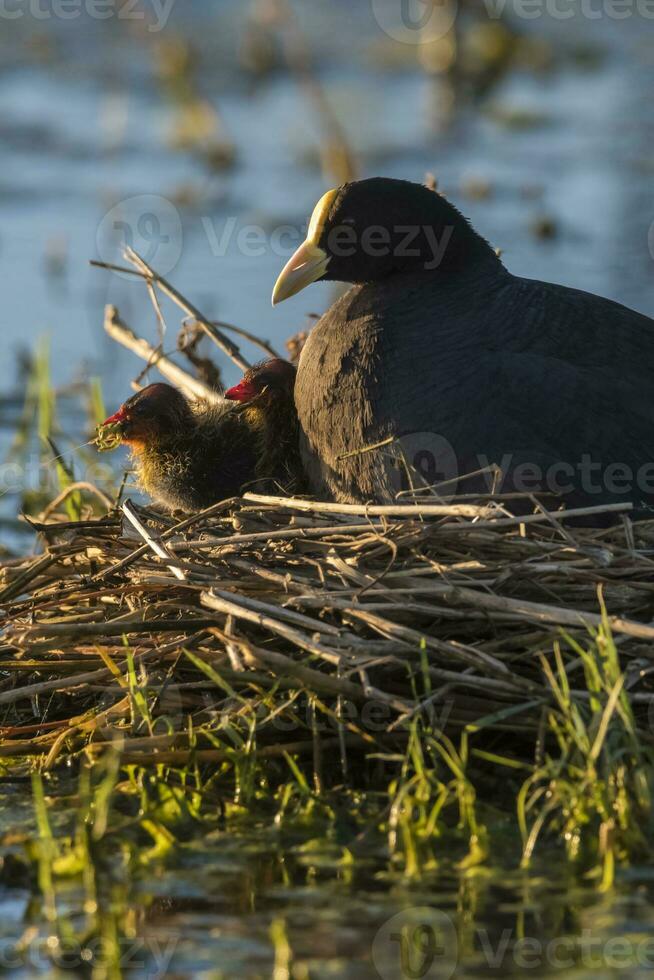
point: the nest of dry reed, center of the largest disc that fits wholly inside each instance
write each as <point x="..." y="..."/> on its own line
<point x="165" y="638"/>
<point x="277" y="626"/>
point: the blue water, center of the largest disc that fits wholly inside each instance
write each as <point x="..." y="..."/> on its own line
<point x="85" y="125"/>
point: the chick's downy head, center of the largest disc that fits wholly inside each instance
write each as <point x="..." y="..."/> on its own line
<point x="274" y="378"/>
<point x="152" y="416"/>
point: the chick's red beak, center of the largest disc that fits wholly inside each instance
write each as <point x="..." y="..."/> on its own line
<point x="117" y="417"/>
<point x="244" y="391"/>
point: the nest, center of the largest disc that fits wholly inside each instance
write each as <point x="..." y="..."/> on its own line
<point x="254" y="618"/>
<point x="430" y="653"/>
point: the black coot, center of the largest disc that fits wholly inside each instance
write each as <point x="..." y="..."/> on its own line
<point x="454" y="364"/>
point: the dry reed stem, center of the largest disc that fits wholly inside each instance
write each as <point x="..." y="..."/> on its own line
<point x="312" y="608"/>
<point x="219" y="339"/>
<point x="122" y="334"/>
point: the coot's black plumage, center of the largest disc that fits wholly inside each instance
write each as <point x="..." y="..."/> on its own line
<point x="438" y="344"/>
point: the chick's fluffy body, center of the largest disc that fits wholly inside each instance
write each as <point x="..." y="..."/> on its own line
<point x="208" y="456"/>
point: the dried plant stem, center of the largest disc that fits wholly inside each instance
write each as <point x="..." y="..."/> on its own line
<point x="220" y="340"/>
<point x="126" y="337"/>
<point x="372" y="510"/>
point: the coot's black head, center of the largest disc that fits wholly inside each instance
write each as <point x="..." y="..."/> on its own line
<point x="152" y="416"/>
<point x="370" y="229"/>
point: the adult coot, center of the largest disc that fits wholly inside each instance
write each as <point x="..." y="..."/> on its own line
<point x="189" y="455"/>
<point x="453" y="364"/>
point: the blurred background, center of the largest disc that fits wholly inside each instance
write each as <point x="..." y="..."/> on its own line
<point x="202" y="132"/>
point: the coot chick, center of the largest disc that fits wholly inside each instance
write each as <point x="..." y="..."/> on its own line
<point x="266" y="395"/>
<point x="189" y="455"/>
<point x="440" y="350"/>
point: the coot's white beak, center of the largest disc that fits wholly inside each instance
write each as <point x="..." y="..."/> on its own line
<point x="310" y="261"/>
<point x="305" y="266"/>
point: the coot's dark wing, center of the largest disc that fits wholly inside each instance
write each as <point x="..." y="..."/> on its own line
<point x="500" y="368"/>
<point x="589" y="366"/>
